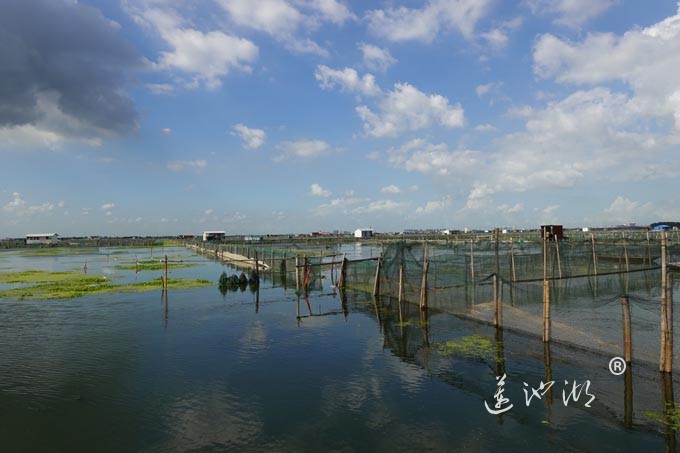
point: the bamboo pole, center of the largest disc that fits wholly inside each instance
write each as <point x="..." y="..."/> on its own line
<point x="343" y="272"/>
<point x="592" y="241"/>
<point x="401" y="291"/>
<point x="625" y="251"/>
<point x="498" y="304"/>
<point x="472" y="262"/>
<point x="165" y="281"/>
<point x="512" y="262"/>
<point x="627" y="340"/>
<point x="423" y="282"/>
<point x="665" y="361"/>
<point x="559" y="262"/>
<point x="376" y="284"/>
<point x="546" y="292"/>
<point x="297" y="273"/>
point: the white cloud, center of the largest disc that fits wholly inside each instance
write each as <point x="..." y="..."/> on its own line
<point x="424" y="24"/>
<point x="252" y="138"/>
<point x="287" y="21"/>
<point x="303" y="148"/>
<point x="391" y="189"/>
<point x="160" y="88"/>
<point x="379" y="206"/>
<point x="108" y="206"/>
<point x="376" y="58"/>
<point x="347" y="79"/>
<point x="318" y="191"/>
<point x="479" y="196"/>
<point x="180" y="165"/>
<point x="434" y="206"/>
<point x="507" y="209"/>
<point x="422" y="156"/>
<point x="206" y="57"/>
<point x="406" y="108"/>
<point x="570" y="13"/>
<point x="166" y="131"/>
<point x="209" y="211"/>
<point x="19" y="207"/>
<point x="485" y="128"/>
<point x="640" y="58"/>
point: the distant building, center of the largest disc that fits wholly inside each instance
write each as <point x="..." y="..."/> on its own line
<point x="213" y="235"/>
<point x="252" y="238"/>
<point x="552" y="232"/>
<point x="363" y="233"/>
<point x="186" y="236"/>
<point x="42" y="238"/>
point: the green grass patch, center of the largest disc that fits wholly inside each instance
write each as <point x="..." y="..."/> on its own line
<point x="152" y="265"/>
<point x="84" y="285"/>
<point x="473" y="346"/>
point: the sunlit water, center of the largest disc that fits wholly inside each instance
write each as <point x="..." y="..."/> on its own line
<point x="204" y="371"/>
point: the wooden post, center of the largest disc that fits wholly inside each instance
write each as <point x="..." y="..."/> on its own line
<point x="376" y="285"/>
<point x="472" y="262"/>
<point x="627" y="344"/>
<point x="165" y="282"/>
<point x="498" y="304"/>
<point x="306" y="275"/>
<point x="665" y="359"/>
<point x="592" y="241"/>
<point x="257" y="265"/>
<point x="625" y="251"/>
<point x="546" y="290"/>
<point x="423" y="282"/>
<point x="559" y="262"/>
<point x="401" y="291"/>
<point x="512" y="262"/>
<point x="343" y="272"/>
<point x="297" y="273"/>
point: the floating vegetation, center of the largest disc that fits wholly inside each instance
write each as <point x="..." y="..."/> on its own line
<point x="34" y="276"/>
<point x="152" y="265"/>
<point x="670" y="418"/>
<point x="70" y="285"/>
<point x="473" y="347"/>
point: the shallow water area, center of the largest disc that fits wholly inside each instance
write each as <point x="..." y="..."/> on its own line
<point x="274" y="370"/>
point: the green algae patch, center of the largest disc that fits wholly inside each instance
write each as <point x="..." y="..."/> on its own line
<point x="671" y="418"/>
<point x="84" y="285"/>
<point x="152" y="265"/>
<point x="33" y="276"/>
<point x="472" y="346"/>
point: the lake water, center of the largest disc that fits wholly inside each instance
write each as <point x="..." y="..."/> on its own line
<point x="203" y="371"/>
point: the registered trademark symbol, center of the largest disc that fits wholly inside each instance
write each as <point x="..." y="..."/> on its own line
<point x="617" y="366"/>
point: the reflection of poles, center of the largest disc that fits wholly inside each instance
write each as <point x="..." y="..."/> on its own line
<point x="343" y="302"/>
<point x="165" y="280"/>
<point x="547" y="362"/>
<point x="500" y="353"/>
<point x="668" y="402"/>
<point x="164" y="300"/>
<point x="628" y="398"/>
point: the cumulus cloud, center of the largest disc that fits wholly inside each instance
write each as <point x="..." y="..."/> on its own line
<point x="406" y="108"/>
<point x="180" y="165"/>
<point x="376" y="58"/>
<point x="288" y="22"/>
<point x="395" y="190"/>
<point x="166" y="131"/>
<point x="19" y="207"/>
<point x="70" y="88"/>
<point x="379" y="206"/>
<point x="307" y="149"/>
<point x="108" y="206"/>
<point x="318" y="191"/>
<point x="570" y="13"/>
<point x="205" y="57"/>
<point x="421" y="156"/>
<point x="346" y="79"/>
<point x="424" y="24"/>
<point x="252" y="138"/>
<point x="434" y="206"/>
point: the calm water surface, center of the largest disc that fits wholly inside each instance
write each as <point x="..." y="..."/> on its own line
<point x="203" y="371"/>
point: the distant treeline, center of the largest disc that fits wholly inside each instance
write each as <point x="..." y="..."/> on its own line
<point x="14" y="243"/>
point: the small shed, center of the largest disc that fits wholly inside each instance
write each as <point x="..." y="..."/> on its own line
<point x="213" y="235"/>
<point x="552" y="232"/>
<point x="363" y="233"/>
<point x="42" y="238"/>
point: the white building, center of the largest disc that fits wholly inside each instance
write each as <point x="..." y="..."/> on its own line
<point x="213" y="235"/>
<point x="363" y="233"/>
<point x="42" y="238"/>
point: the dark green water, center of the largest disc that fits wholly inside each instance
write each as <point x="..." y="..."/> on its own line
<point x="207" y="372"/>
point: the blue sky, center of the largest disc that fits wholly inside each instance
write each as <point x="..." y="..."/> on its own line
<point x="272" y="116"/>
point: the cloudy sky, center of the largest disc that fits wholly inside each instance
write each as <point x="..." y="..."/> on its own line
<point x="172" y="116"/>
